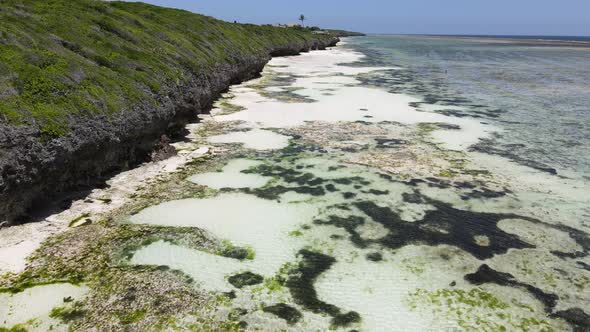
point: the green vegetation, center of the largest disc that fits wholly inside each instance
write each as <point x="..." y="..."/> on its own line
<point x="67" y="314"/>
<point x="132" y="317"/>
<point x="247" y="278"/>
<point x="479" y="310"/>
<point x="284" y="311"/>
<point x="16" y="328"/>
<point x="344" y="33"/>
<point x="296" y="233"/>
<point x="63" y="59"/>
<point x="240" y="253"/>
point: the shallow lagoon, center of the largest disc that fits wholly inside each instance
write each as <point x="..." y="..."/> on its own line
<point x="341" y="242"/>
<point x="347" y="213"/>
<point x="335" y="204"/>
<point x="362" y="248"/>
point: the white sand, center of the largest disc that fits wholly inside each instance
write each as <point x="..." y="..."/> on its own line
<point x="322" y="73"/>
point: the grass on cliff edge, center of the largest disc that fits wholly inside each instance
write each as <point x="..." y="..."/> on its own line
<point x="62" y="59"/>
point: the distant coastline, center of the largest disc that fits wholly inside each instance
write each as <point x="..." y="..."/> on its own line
<point x="525" y="37"/>
<point x="345" y="33"/>
<point x="575" y="41"/>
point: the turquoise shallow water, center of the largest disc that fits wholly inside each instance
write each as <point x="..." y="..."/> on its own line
<point x="539" y="95"/>
<point x="376" y="217"/>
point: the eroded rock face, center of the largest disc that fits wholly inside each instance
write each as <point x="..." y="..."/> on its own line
<point x="34" y="171"/>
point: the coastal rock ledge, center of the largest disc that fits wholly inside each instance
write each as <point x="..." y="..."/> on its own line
<point x="147" y="71"/>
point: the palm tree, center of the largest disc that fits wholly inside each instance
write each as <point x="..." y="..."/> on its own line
<point x="302" y="18"/>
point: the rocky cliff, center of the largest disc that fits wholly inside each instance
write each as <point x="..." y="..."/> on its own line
<point x="87" y="88"/>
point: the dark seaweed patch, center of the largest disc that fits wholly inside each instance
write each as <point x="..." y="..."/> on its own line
<point x="342" y="206"/>
<point x="236" y="313"/>
<point x="375" y="256"/>
<point x="576" y="317"/>
<point x="572" y="255"/>
<point x="301" y="286"/>
<point x="295" y="149"/>
<point x="464" y="185"/>
<point x="389" y="142"/>
<point x="437" y="183"/>
<point x="448" y="126"/>
<point x="577" y="235"/>
<point x="377" y="192"/>
<point x="236" y="253"/>
<point x="349" y="224"/>
<point x="352" y="180"/>
<point x="348" y="195"/>
<point x="492" y="147"/>
<point x="346" y="319"/>
<point x="486" y="224"/>
<point x="301" y="281"/>
<point x="482" y="193"/>
<point x="386" y="177"/>
<point x="284" y="311"/>
<point x="275" y="192"/>
<point x="456" y="113"/>
<point x="288" y="175"/>
<point x="486" y="274"/>
<point x="230" y="295"/>
<point x="306" y="182"/>
<point x="584" y="266"/>
<point x="413" y="198"/>
<point x="245" y="279"/>
<point x="414" y="182"/>
<point x="461" y="227"/>
<point x="335" y="168"/>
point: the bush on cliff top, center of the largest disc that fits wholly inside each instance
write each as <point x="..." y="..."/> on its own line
<point x="61" y="59"/>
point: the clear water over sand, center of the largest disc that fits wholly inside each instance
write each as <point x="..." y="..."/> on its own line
<point x="379" y="215"/>
<point x="32" y="307"/>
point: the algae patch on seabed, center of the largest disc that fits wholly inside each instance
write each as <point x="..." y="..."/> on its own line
<point x="477" y="309"/>
<point x="231" y="176"/>
<point x="260" y="223"/>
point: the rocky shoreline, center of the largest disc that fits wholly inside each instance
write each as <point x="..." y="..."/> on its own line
<point x="34" y="170"/>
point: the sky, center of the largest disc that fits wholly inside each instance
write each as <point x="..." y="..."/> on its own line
<point x="492" y="17"/>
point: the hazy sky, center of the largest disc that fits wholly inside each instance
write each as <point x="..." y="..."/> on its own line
<point x="536" y="17"/>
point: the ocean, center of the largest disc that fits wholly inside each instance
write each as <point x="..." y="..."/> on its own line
<point x="523" y="37"/>
<point x="399" y="183"/>
<point x="539" y="95"/>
